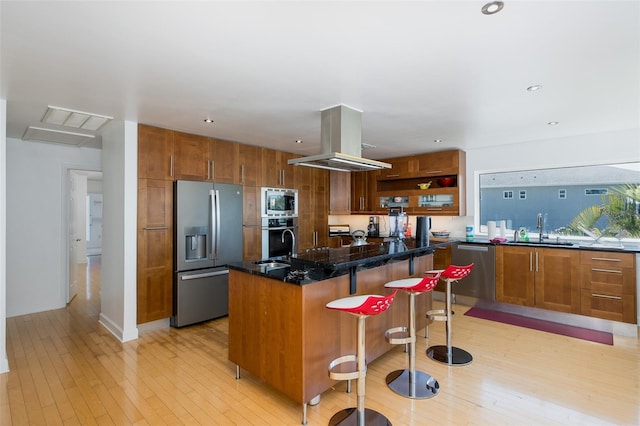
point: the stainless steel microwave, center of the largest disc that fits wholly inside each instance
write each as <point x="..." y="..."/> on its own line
<point x="278" y="202"/>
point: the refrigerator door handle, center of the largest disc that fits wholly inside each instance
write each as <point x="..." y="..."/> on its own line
<point x="214" y="195"/>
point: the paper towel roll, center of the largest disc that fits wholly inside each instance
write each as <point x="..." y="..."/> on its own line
<point x="491" y="229"/>
<point x="503" y="228"/>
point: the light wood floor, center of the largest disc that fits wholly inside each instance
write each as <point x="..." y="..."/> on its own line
<point x="66" y="369"/>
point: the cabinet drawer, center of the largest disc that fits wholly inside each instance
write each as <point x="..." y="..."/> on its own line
<point x="607" y="260"/>
<point x="611" y="279"/>
<point x="608" y="306"/>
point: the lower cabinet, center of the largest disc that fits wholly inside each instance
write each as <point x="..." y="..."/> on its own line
<point x="608" y="285"/>
<point x="545" y="278"/>
<point x="441" y="259"/>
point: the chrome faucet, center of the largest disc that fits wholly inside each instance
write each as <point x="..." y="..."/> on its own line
<point x="293" y="240"/>
<point x="539" y="226"/>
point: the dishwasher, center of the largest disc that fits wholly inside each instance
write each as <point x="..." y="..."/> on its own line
<point x="481" y="282"/>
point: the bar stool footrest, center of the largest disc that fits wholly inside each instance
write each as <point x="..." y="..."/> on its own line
<point x="437" y="315"/>
<point x="398" y="340"/>
<point x="344" y="376"/>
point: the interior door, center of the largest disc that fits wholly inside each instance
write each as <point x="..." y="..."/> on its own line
<point x="74" y="238"/>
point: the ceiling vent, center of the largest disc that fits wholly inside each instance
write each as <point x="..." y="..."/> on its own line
<point x="76" y="119"/>
<point x="341" y="137"/>
<point x="39" y="134"/>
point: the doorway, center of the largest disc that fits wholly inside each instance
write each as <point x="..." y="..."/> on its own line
<point x="82" y="207"/>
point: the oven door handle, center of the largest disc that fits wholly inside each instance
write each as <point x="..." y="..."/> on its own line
<point x="204" y="275"/>
<point x="279" y="228"/>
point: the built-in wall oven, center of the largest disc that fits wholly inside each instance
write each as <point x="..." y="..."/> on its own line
<point x="279" y="236"/>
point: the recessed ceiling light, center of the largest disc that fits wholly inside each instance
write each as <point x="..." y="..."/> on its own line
<point x="437" y="140"/>
<point x="553" y="123"/>
<point x="208" y="120"/>
<point x="534" y="88"/>
<point x="298" y="140"/>
<point x="492" y="7"/>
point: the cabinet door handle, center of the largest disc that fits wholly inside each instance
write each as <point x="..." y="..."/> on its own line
<point x="171" y="165"/>
<point x="433" y="172"/>
<point x="155" y="228"/>
<point x="606" y="259"/>
<point x="394" y="175"/>
<point x="213" y="165"/>
<point x="605" y="296"/>
<point x="242" y="173"/>
<point x="610" y="271"/>
<point x="530" y="262"/>
<point x="536" y="261"/>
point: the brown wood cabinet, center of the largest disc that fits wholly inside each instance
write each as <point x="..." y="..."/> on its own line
<point x="155" y="250"/>
<point x="155" y="153"/>
<point x="363" y="192"/>
<point x="250" y="164"/>
<point x="313" y="200"/>
<point x="340" y="193"/>
<point x="608" y="285"/>
<point x="545" y="278"/>
<point x="223" y="161"/>
<point x="439" y="198"/>
<point x="276" y="172"/>
<point x="441" y="259"/>
<point x="191" y="157"/>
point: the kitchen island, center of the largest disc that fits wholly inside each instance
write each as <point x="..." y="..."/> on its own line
<point x="280" y="330"/>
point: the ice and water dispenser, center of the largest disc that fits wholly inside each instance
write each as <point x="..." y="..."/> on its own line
<point x="195" y="243"/>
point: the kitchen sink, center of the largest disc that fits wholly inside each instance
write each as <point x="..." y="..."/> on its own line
<point x="269" y="265"/>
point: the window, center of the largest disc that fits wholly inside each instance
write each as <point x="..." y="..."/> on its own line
<point x="605" y="199"/>
<point x="598" y="191"/>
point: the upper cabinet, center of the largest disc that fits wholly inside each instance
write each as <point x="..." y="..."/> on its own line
<point x="223" y="161"/>
<point x="444" y="174"/>
<point x="155" y="153"/>
<point x="340" y="192"/>
<point x="250" y="167"/>
<point x="192" y="157"/>
<point x="205" y="159"/>
<point x="276" y="171"/>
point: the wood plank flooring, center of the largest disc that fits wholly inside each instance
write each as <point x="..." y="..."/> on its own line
<point x="66" y="369"/>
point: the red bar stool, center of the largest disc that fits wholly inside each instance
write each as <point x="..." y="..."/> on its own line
<point x="411" y="383"/>
<point x="362" y="306"/>
<point x="449" y="354"/>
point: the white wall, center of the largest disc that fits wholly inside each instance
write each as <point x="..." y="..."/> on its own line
<point x="37" y="208"/>
<point x="119" y="243"/>
<point x="601" y="148"/>
<point x="4" y="360"/>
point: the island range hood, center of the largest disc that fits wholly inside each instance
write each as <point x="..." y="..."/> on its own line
<point x="341" y="137"/>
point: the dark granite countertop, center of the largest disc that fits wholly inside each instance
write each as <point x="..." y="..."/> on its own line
<point x="321" y="264"/>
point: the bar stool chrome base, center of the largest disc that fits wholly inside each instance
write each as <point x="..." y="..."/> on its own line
<point x="423" y="385"/>
<point x="349" y="417"/>
<point x="458" y="356"/>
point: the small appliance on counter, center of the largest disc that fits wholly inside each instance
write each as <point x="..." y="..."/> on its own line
<point x="398" y="223"/>
<point x="339" y="230"/>
<point x="373" y="229"/>
<point x="423" y="225"/>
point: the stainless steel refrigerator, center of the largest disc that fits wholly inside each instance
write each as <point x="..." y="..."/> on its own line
<point x="207" y="237"/>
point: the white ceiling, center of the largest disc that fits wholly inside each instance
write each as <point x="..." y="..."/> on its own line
<point x="263" y="70"/>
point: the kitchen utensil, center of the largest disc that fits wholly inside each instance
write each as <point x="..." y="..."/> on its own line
<point x="446" y="181"/>
<point x="441" y="234"/>
<point x="359" y="238"/>
<point x="424" y="185"/>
